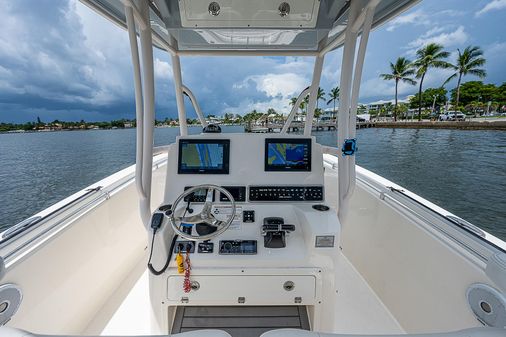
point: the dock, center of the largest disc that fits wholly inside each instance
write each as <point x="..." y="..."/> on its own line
<point x="330" y="126"/>
<point x="299" y="126"/>
<point x="459" y="125"/>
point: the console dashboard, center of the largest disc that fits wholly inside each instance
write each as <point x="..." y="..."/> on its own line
<point x="252" y="167"/>
<point x="274" y="193"/>
<point x="278" y="235"/>
<point x="269" y="176"/>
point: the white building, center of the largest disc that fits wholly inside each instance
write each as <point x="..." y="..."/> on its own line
<point x="376" y="106"/>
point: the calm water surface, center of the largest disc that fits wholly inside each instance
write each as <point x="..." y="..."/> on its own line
<point x="461" y="171"/>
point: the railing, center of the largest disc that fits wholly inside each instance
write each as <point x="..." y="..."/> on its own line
<point x="295" y="107"/>
<point x="27" y="223"/>
<point x="196" y="106"/>
<point x="56" y="217"/>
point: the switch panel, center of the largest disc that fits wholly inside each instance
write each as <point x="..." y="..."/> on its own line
<point x="205" y="247"/>
<point x="238" y="193"/>
<point x="184" y="246"/>
<point x="197" y="196"/>
<point x="286" y="193"/>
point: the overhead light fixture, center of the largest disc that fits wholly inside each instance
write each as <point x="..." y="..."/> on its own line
<point x="284" y="9"/>
<point x="249" y="37"/>
<point x="214" y="8"/>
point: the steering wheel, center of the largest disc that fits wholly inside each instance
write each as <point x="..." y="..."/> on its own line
<point x="205" y="216"/>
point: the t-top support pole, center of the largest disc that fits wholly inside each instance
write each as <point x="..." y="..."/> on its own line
<point x="144" y="103"/>
<point x="357" y="77"/>
<point x="313" y="94"/>
<point x="351" y="75"/>
<point x="148" y="86"/>
<point x="129" y="14"/>
<point x="178" y="85"/>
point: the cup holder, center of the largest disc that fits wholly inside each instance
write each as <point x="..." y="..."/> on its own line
<point x="321" y="208"/>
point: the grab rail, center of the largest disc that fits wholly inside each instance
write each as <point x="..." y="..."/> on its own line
<point x="188" y="93"/>
<point x="53" y="220"/>
<point x="456" y="221"/>
<point x="27" y="223"/>
<point x="296" y="105"/>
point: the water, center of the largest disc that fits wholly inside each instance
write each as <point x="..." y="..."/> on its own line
<point x="461" y="171"/>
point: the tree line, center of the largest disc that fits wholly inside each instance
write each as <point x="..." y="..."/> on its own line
<point x="433" y="56"/>
<point x="333" y="97"/>
<point x="65" y="125"/>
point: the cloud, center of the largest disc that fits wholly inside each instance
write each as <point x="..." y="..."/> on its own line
<point x="275" y="85"/>
<point x="163" y="70"/>
<point x="496" y="49"/>
<point x="281" y="105"/>
<point x="491" y="6"/>
<point x="445" y="38"/>
<point x="275" y="92"/>
<point x="376" y="87"/>
<point x="56" y="57"/>
<point x="417" y="17"/>
<point x="61" y="60"/>
<point x="450" y="12"/>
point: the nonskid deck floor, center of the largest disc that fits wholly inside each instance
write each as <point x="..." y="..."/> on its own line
<point x="239" y="321"/>
<point x="359" y="310"/>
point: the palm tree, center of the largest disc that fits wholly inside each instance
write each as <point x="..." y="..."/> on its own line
<point x="400" y="71"/>
<point x="334" y="96"/>
<point x="468" y="62"/>
<point x="320" y="96"/>
<point x="293" y="100"/>
<point x="431" y="56"/>
<point x="304" y="104"/>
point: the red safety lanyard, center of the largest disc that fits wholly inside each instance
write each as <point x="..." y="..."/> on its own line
<point x="187" y="284"/>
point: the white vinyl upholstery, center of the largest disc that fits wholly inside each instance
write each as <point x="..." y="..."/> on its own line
<point x="11" y="332"/>
<point x="474" y="332"/>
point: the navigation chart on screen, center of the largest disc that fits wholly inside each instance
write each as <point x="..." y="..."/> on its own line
<point x="287" y="154"/>
<point x="202" y="155"/>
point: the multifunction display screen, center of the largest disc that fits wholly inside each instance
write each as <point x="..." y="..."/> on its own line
<point x="288" y="154"/>
<point x="203" y="156"/>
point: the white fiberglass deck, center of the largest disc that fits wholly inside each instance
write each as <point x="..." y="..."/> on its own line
<point x="359" y="310"/>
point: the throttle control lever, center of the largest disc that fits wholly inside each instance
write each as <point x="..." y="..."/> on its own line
<point x="274" y="232"/>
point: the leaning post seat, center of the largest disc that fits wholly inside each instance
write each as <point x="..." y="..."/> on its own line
<point x="473" y="332"/>
<point x="12" y="332"/>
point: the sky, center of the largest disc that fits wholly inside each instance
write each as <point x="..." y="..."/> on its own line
<point x="60" y="60"/>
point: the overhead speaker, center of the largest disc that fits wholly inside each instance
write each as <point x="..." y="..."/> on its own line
<point x="10" y="299"/>
<point x="487" y="304"/>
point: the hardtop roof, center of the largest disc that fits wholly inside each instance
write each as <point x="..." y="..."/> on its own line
<point x="249" y="26"/>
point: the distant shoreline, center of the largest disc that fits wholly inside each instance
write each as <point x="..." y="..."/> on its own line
<point x="99" y="129"/>
<point x="497" y="125"/>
